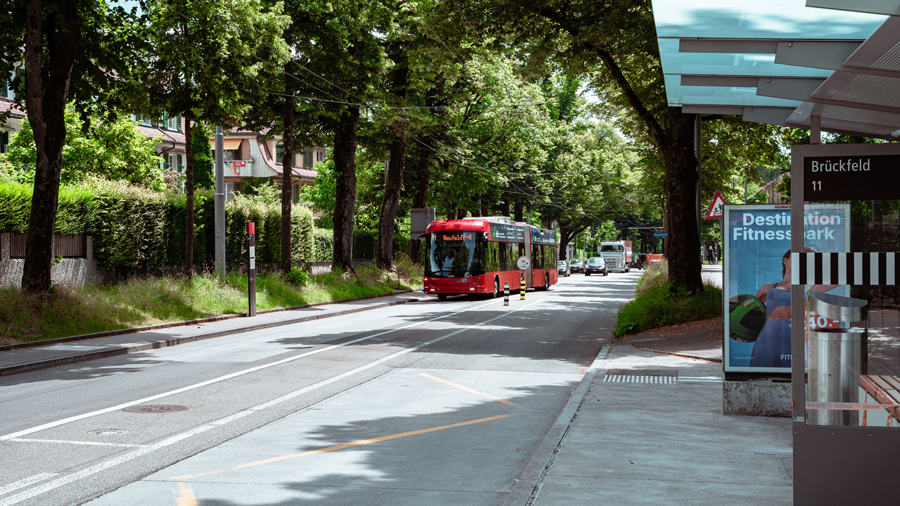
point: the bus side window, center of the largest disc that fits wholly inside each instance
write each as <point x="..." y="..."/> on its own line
<point x="503" y="247"/>
<point x="537" y="261"/>
<point x="492" y="253"/>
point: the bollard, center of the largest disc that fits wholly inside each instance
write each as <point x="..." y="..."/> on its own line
<point x="522" y="290"/>
<point x="506" y="294"/>
<point x="251" y="269"/>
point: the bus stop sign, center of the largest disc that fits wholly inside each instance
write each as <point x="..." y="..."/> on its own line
<point x="523" y="263"/>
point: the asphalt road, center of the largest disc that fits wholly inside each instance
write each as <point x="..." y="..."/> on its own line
<point x="423" y="403"/>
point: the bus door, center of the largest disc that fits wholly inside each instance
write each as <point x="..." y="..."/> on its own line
<point x="528" y="283"/>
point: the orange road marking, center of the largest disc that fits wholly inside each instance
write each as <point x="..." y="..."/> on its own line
<point x="340" y="447"/>
<point x="470" y="390"/>
<point x="186" y="496"/>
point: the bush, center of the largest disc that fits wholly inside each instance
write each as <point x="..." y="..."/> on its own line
<point x="303" y="236"/>
<point x="133" y="227"/>
<point x="655" y="306"/>
<point x="364" y="242"/>
<point x="297" y="276"/>
<point x="324" y="244"/>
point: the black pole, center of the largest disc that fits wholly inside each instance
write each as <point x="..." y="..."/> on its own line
<point x="251" y="270"/>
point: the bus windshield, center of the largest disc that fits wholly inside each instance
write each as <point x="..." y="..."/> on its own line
<point x="612" y="247"/>
<point x="455" y="255"/>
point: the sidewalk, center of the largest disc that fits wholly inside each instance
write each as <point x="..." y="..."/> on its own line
<point x="646" y="427"/>
<point x="81" y="348"/>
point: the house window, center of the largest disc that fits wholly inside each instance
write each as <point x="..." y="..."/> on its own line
<point x="6" y="88"/>
<point x="320" y="156"/>
<point x="279" y="151"/>
<point x="142" y="120"/>
<point x="173" y="123"/>
<point x="231" y="189"/>
<point x="172" y="161"/>
<point x="4" y="141"/>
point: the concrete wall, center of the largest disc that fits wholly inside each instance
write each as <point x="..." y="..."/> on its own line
<point x="756" y="398"/>
<point x="67" y="271"/>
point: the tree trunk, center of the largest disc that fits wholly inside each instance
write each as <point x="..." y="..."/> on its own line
<point x="45" y="101"/>
<point x="519" y="208"/>
<point x="390" y="202"/>
<point x="423" y="172"/>
<point x="393" y="181"/>
<point x="420" y="200"/>
<point x="681" y="213"/>
<point x="189" y="194"/>
<point x="287" y="166"/>
<point x="345" y="192"/>
<point x="504" y="208"/>
<point x="563" y="242"/>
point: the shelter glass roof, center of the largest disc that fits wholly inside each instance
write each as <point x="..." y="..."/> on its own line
<point x="719" y="95"/>
<point x="729" y="64"/>
<point x="759" y="19"/>
<point x="742" y="19"/>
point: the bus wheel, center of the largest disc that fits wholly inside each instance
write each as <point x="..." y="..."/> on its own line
<point x="496" y="288"/>
<point x="442" y="296"/>
<point x="546" y="281"/>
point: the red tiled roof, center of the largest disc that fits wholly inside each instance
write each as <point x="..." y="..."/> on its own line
<point x="161" y="136"/>
<point x="9" y="105"/>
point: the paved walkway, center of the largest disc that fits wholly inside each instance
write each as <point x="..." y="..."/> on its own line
<point x="82" y="348"/>
<point x="647" y="428"/>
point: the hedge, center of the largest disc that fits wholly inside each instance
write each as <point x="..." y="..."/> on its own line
<point x="364" y="242"/>
<point x="133" y="227"/>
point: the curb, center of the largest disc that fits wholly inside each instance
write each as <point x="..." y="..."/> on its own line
<point x="160" y="326"/>
<point x="674" y="354"/>
<point x="114" y="350"/>
<point x="527" y="488"/>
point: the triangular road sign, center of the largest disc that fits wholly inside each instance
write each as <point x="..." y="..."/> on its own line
<point x="717" y="207"/>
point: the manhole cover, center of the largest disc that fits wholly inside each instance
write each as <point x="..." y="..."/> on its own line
<point x="155" y="408"/>
<point x="109" y="432"/>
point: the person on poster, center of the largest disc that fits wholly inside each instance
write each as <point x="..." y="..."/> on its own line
<point x="773" y="345"/>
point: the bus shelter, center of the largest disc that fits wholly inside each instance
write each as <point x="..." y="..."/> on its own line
<point x="826" y="66"/>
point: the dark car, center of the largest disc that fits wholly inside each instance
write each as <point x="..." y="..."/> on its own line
<point x="576" y="265"/>
<point x="562" y="268"/>
<point x="595" y="265"/>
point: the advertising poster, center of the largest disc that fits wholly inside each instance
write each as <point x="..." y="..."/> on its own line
<point x="757" y="276"/>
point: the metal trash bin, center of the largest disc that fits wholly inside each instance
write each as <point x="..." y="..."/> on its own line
<point x="835" y="358"/>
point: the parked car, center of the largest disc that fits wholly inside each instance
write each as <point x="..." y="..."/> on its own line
<point x="576" y="265"/>
<point x="562" y="268"/>
<point x="595" y="265"/>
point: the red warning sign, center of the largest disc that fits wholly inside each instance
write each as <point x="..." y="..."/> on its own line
<point x="717" y="207"/>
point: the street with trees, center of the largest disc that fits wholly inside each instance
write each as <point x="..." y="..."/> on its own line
<point x="474" y="107"/>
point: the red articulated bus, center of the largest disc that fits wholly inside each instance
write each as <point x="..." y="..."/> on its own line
<point x="479" y="255"/>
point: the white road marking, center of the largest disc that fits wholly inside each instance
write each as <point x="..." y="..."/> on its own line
<point x="699" y="379"/>
<point x="236" y="374"/>
<point x="63" y="441"/>
<point x="121" y="459"/>
<point x="24" y="483"/>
